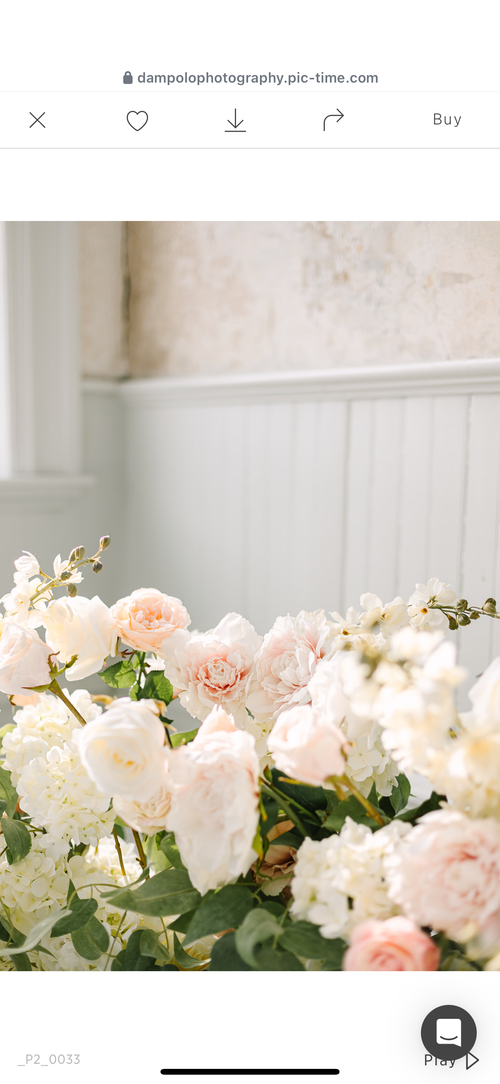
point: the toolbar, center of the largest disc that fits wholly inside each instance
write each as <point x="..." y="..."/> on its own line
<point x="231" y="120"/>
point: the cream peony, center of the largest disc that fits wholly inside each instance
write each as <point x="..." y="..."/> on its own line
<point x="285" y="663"/>
<point x="84" y="627"/>
<point x="446" y="873"/>
<point x="307" y="746"/>
<point x="394" y="945"/>
<point x="24" y="660"/>
<point x="485" y="694"/>
<point x="123" y="750"/>
<point x="213" y="668"/>
<point x="215" y="802"/>
<point x="148" y="817"/>
<point x="147" y="617"/>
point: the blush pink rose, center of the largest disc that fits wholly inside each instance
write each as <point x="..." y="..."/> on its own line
<point x="394" y="945"/>
<point x="446" y="872"/>
<point x="147" y="617"/>
<point x="306" y="745"/>
<point x="286" y="662"/>
<point x="212" y="668"/>
<point x="24" y="660"/>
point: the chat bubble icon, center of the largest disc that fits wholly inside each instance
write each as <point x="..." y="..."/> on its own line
<point x="449" y="1031"/>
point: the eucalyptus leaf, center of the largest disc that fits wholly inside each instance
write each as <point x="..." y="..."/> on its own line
<point x="305" y="940"/>
<point x="400" y="793"/>
<point x="183" y="958"/>
<point x="269" y="958"/>
<point x="150" y="945"/>
<point x="91" y="940"/>
<point x="17" y="838"/>
<point x="35" y="935"/>
<point x="81" y="912"/>
<point x="169" y="848"/>
<point x="258" y="927"/>
<point x="21" y="962"/>
<point x="8" y="793"/>
<point x="221" y="910"/>
<point x="225" y="956"/>
<point x="167" y="893"/>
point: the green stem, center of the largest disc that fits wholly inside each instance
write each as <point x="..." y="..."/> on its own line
<point x="370" y="809"/>
<point x="120" y="924"/>
<point x="119" y="851"/>
<point x="275" y="793"/>
<point x="140" y="849"/>
<point x="55" y="688"/>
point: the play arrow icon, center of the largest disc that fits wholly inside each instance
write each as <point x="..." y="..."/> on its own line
<point x="470" y="1060"/>
<point x="338" y="116"/>
<point x="235" y="127"/>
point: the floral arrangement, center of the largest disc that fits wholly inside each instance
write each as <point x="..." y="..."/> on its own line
<point x="331" y="810"/>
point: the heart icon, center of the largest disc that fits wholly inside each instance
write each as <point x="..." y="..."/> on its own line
<point x="137" y="120"/>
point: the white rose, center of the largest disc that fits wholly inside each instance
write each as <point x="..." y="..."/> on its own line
<point x="215" y="802"/>
<point x="485" y="694"/>
<point x="307" y="745"/>
<point x="213" y="668"/>
<point x="24" y="660"/>
<point x="123" y="750"/>
<point x="84" y="627"/>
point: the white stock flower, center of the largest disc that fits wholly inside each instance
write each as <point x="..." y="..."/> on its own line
<point x="215" y="795"/>
<point x="27" y="565"/>
<point x="390" y="617"/>
<point x="307" y="745"/>
<point x="61" y="566"/>
<point x="123" y="750"/>
<point x="148" y="817"/>
<point x="84" y="627"/>
<point x="213" y="668"/>
<point x="285" y="663"/>
<point x="351" y="866"/>
<point x="419" y="610"/>
<point x="42" y="725"/>
<point x="446" y="874"/>
<point x="57" y="793"/>
<point x="24" y="659"/>
<point x="485" y="694"/>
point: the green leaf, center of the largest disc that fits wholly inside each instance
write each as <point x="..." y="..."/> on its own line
<point x="225" y="956"/>
<point x="303" y="796"/>
<point x="181" y="924"/>
<point x="305" y="940"/>
<point x="157" y="687"/>
<point x="167" y="893"/>
<point x="400" y="793"/>
<point x="8" y="793"/>
<point x="120" y="675"/>
<point x="21" y="962"/>
<point x="258" y="927"/>
<point x="17" y="838"/>
<point x="270" y="811"/>
<point x="81" y="912"/>
<point x="91" y="940"/>
<point x="350" y="807"/>
<point x="134" y="691"/>
<point x="169" y="848"/>
<point x="272" y="959"/>
<point x="456" y="961"/>
<point x="412" y="815"/>
<point x="221" y="910"/>
<point x="184" y="960"/>
<point x="183" y="738"/>
<point x="27" y="944"/>
<point x="150" y="946"/>
<point x="131" y="958"/>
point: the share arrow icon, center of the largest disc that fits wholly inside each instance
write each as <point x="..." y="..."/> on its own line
<point x="235" y="127"/>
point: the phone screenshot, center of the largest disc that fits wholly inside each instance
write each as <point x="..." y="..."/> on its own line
<point x="249" y="542"/>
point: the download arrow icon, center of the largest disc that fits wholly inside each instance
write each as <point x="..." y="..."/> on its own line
<point x="235" y="127"/>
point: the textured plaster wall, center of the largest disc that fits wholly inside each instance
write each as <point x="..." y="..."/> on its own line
<point x="103" y="299"/>
<point x="240" y="297"/>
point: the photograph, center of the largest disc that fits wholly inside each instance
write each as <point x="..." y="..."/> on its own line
<point x="250" y="558"/>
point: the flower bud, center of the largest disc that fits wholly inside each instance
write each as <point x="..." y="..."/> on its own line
<point x="490" y="606"/>
<point x="77" y="554"/>
<point x="65" y="575"/>
<point x="104" y="542"/>
<point x="452" y="624"/>
<point x="72" y="590"/>
<point x="461" y="604"/>
<point x="97" y="566"/>
<point x="474" y="615"/>
<point x="463" y="619"/>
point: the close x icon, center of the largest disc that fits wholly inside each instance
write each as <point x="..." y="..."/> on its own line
<point x="37" y="120"/>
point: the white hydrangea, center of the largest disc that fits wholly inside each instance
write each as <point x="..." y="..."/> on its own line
<point x="43" y="725"/>
<point x="56" y="792"/>
<point x="329" y="873"/>
<point x="35" y="887"/>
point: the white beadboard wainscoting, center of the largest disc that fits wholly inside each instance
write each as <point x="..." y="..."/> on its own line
<point x="268" y="494"/>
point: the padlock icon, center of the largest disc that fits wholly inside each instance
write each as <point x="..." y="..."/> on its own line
<point x="128" y="77"/>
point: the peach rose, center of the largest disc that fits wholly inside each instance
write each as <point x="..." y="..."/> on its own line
<point x="306" y="745"/>
<point x="394" y="945"/>
<point x="277" y="868"/>
<point x="149" y="816"/>
<point x="147" y="617"/>
<point x="285" y="663"/>
<point x="24" y="660"/>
